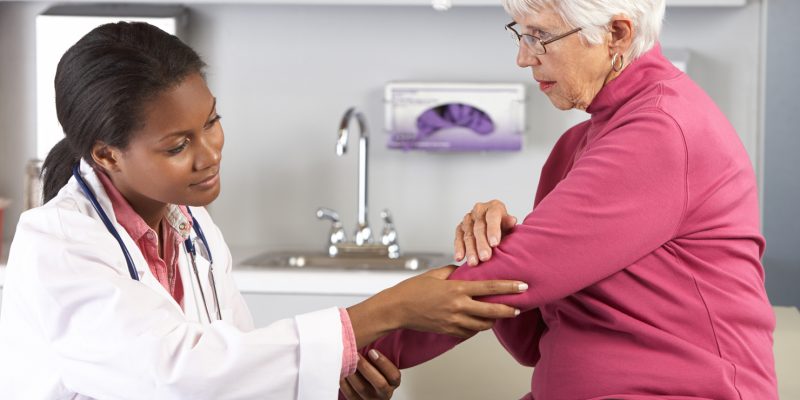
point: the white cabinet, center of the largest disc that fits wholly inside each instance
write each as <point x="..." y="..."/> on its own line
<point x="274" y="294"/>
<point x="477" y="369"/>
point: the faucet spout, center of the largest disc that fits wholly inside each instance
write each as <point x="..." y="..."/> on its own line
<point x="363" y="232"/>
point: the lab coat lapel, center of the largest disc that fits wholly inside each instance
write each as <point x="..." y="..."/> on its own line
<point x="139" y="262"/>
<point x="190" y="291"/>
<point x="193" y="305"/>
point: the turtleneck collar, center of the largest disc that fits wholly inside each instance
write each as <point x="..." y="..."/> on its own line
<point x="651" y="67"/>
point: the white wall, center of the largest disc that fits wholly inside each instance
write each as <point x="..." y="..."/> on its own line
<point x="17" y="102"/>
<point x="285" y="74"/>
<point x="283" y="97"/>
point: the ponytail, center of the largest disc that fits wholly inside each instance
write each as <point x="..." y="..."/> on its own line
<point x="57" y="169"/>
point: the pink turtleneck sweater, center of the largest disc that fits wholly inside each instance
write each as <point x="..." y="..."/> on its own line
<point x="642" y="254"/>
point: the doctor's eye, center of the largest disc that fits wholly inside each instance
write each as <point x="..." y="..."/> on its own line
<point x="180" y="148"/>
<point x="213" y="121"/>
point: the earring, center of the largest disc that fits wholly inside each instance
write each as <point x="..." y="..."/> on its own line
<point x="614" y="64"/>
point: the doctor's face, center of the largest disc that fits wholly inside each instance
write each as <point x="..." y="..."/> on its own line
<point x="175" y="156"/>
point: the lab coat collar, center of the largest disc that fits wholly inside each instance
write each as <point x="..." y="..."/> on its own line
<point x="88" y="174"/>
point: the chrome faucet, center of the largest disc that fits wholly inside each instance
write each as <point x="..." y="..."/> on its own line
<point x="362" y="243"/>
<point x="363" y="232"/>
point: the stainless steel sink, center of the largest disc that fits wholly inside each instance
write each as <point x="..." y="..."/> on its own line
<point x="319" y="260"/>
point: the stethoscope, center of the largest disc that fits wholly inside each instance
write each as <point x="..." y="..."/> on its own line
<point x="190" y="247"/>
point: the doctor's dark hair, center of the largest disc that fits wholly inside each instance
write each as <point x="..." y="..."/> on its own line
<point x="103" y="83"/>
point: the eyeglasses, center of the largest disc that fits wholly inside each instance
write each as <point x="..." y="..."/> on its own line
<point x="534" y="43"/>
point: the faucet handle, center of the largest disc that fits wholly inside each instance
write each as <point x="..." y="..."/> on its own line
<point x="389" y="234"/>
<point x="327" y="213"/>
<point x="337" y="234"/>
<point x="387" y="216"/>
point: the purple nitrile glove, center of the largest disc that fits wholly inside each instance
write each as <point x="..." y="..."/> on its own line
<point x="450" y="115"/>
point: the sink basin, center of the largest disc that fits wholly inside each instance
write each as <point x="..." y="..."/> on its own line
<point x="320" y="260"/>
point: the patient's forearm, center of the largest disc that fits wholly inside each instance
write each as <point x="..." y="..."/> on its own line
<point x="406" y="348"/>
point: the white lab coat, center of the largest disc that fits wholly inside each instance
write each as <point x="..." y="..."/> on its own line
<point x="74" y="325"/>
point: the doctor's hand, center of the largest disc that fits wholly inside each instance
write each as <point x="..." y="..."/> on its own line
<point x="376" y="378"/>
<point x="431" y="303"/>
<point x="481" y="230"/>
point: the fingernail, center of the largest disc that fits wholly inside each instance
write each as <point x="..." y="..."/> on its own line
<point x="484" y="255"/>
<point x="458" y="256"/>
<point x="516" y="312"/>
<point x="493" y="241"/>
<point x="472" y="261"/>
<point x="522" y="287"/>
<point x="373" y="355"/>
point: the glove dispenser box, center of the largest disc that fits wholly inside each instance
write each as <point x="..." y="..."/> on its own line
<point x="455" y="116"/>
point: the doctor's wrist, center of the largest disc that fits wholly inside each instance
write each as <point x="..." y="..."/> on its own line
<point x="393" y="309"/>
<point x="375" y="317"/>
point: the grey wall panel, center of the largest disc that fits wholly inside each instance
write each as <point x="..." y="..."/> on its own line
<point x="781" y="147"/>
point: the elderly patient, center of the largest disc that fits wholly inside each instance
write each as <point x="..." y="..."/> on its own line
<point x="643" y="248"/>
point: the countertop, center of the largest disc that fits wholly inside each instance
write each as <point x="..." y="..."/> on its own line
<point x="295" y="281"/>
<point x="310" y="281"/>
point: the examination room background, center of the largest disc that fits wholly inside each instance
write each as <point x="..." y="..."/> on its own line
<point x="284" y="75"/>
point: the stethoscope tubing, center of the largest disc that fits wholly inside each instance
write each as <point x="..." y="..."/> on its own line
<point x="190" y="247"/>
<point x="106" y="221"/>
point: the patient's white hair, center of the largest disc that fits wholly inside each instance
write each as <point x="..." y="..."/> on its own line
<point x="594" y="15"/>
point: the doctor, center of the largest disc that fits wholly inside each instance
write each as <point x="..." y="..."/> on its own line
<point x="120" y="286"/>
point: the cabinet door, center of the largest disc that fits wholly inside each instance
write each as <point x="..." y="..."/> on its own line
<point x="490" y="371"/>
<point x="270" y="307"/>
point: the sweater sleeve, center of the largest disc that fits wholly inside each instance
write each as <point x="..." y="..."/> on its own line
<point x="624" y="197"/>
<point x="406" y="348"/>
<point x="520" y="336"/>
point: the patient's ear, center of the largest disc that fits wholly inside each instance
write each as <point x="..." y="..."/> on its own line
<point x="622" y="30"/>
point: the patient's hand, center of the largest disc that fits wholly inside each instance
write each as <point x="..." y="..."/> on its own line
<point x="480" y="230"/>
<point x="376" y="378"/>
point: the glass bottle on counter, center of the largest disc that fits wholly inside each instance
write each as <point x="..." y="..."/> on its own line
<point x="33" y="184"/>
